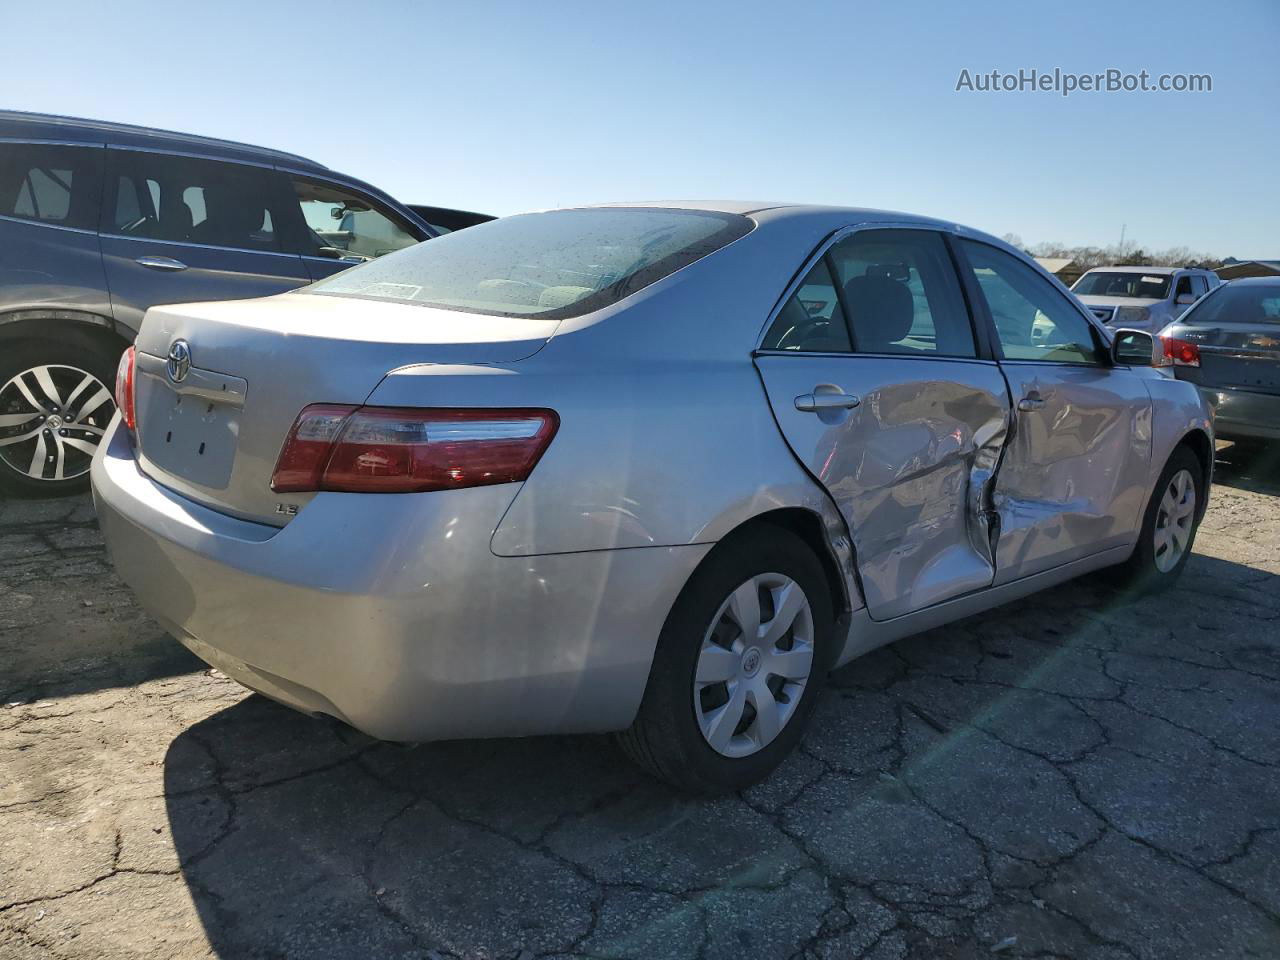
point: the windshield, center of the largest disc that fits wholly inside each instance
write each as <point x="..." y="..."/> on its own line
<point x="558" y="264"/>
<point x="1144" y="286"/>
<point x="1238" y="303"/>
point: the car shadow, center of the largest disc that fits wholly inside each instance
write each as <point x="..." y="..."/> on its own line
<point x="1255" y="469"/>
<point x="302" y="837"/>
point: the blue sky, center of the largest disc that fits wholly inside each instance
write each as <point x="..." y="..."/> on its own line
<point x="513" y="106"/>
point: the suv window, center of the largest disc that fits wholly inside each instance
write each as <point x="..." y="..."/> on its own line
<point x="1184" y="286"/>
<point x="900" y="292"/>
<point x="811" y="320"/>
<point x="57" y="185"/>
<point x="1199" y="285"/>
<point x="189" y="200"/>
<point x="341" y="225"/>
<point x="1033" y="320"/>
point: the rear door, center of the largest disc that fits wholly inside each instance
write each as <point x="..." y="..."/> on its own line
<point x="1073" y="478"/>
<point x="178" y="229"/>
<point x="876" y="379"/>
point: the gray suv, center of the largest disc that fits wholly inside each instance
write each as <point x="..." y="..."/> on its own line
<point x="99" y="221"/>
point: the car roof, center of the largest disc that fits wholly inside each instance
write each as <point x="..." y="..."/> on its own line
<point x="1157" y="271"/>
<point x="1255" y="281"/>
<point x="17" y="124"/>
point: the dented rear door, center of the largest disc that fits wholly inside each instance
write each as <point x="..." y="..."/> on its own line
<point x="876" y="381"/>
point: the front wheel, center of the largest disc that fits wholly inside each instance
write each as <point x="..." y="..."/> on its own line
<point x="738" y="665"/>
<point x="1168" y="526"/>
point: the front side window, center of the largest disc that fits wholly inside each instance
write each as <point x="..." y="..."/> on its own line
<point x="1033" y="320"/>
<point x="558" y="264"/>
<point x="1122" y="283"/>
<point x="55" y="185"/>
<point x="189" y="200"/>
<point x="343" y="226"/>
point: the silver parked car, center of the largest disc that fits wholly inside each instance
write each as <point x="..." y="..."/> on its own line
<point x="652" y="469"/>
<point x="1228" y="345"/>
<point x="1142" y="298"/>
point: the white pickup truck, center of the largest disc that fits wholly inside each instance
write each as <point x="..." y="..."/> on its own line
<point x="1142" y="298"/>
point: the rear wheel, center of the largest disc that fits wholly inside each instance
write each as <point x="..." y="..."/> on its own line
<point x="55" y="404"/>
<point x="738" y="666"/>
<point x="1168" y="526"/>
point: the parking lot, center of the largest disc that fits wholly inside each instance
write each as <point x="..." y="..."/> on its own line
<point x="1078" y="775"/>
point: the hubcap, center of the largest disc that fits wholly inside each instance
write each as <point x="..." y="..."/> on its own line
<point x="1175" y="521"/>
<point x="52" y="418"/>
<point x="754" y="664"/>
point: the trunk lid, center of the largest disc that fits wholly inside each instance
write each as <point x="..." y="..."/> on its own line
<point x="1236" y="356"/>
<point x="213" y="435"/>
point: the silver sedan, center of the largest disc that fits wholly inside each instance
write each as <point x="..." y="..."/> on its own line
<point x="653" y="469"/>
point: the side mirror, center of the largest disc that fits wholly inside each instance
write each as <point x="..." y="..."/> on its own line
<point x="1136" y="348"/>
<point x="1186" y="299"/>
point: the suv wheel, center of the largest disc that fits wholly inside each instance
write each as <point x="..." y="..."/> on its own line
<point x="55" y="404"/>
<point x="738" y="666"/>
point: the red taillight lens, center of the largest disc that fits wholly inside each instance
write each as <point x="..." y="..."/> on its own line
<point x="124" y="388"/>
<point x="404" y="450"/>
<point x="1181" y="353"/>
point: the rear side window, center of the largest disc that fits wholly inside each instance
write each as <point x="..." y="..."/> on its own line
<point x="553" y="265"/>
<point x="157" y="196"/>
<point x="901" y="294"/>
<point x="57" y="185"/>
<point x="812" y="319"/>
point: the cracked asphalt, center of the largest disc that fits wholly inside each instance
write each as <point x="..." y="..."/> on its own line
<point x="1077" y="775"/>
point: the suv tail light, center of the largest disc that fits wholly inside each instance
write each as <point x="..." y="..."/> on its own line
<point x="124" y="388"/>
<point x="406" y="450"/>
<point x="1181" y="353"/>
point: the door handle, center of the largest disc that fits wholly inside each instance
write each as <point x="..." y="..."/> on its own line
<point x="1032" y="401"/>
<point x="817" y="402"/>
<point x="161" y="263"/>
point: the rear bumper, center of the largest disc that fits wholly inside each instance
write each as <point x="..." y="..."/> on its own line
<point x="1241" y="414"/>
<point x="390" y="612"/>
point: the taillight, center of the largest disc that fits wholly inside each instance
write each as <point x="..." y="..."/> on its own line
<point x="124" y="388"/>
<point x="1181" y="353"/>
<point x="405" y="450"/>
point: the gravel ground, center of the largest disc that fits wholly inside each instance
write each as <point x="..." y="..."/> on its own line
<point x="1076" y="775"/>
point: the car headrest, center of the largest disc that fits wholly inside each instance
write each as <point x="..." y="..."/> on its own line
<point x="882" y="309"/>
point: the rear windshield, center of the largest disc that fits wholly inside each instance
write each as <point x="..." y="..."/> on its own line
<point x="1237" y="303"/>
<point x="1145" y="286"/>
<point x="553" y="265"/>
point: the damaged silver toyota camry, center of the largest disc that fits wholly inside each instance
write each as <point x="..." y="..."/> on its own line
<point x="653" y="469"/>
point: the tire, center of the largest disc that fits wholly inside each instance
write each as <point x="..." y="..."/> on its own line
<point x="1161" y="553"/>
<point x="37" y="379"/>
<point x="667" y="738"/>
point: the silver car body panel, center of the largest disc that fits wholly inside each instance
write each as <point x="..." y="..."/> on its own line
<point x="398" y="621"/>
<point x="1076" y="472"/>
<point x="535" y="607"/>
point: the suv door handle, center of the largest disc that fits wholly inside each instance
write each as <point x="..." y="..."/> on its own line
<point x="1032" y="401"/>
<point x="817" y="402"/>
<point x="161" y="263"/>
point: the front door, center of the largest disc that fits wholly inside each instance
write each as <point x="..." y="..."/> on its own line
<point x="1073" y="478"/>
<point x="180" y="229"/>
<point x="875" y="379"/>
